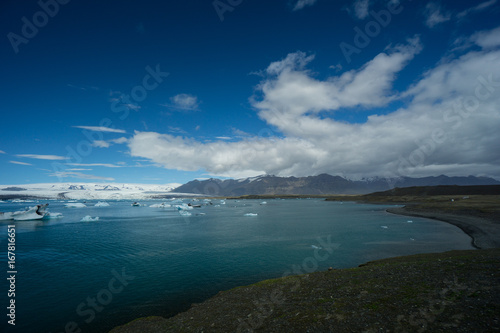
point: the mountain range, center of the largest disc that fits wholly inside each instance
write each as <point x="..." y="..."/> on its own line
<point x="317" y="185"/>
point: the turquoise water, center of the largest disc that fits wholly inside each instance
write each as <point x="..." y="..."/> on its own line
<point x="142" y="261"/>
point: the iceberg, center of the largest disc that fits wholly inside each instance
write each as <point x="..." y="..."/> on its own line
<point x="5" y="216"/>
<point x="32" y="213"/>
<point x="162" y="205"/>
<point x="75" y="205"/>
<point x="184" y="213"/>
<point x="263" y="203"/>
<point x="384" y="226"/>
<point x="183" y="207"/>
<point x="251" y="214"/>
<point x="51" y="216"/>
<point x="89" y="218"/>
<point x="101" y="204"/>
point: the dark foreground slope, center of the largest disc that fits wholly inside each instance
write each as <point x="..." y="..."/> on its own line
<point x="456" y="291"/>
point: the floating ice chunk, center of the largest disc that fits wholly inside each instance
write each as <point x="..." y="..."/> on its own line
<point x="162" y="205"/>
<point x="409" y="221"/>
<point x="183" y="207"/>
<point x="6" y="216"/>
<point x="223" y="202"/>
<point x="412" y="239"/>
<point x="384" y="226"/>
<point x="51" y="216"/>
<point x="89" y="218"/>
<point x="316" y="247"/>
<point x="75" y="205"/>
<point x="251" y="214"/>
<point x="184" y="213"/>
<point x="102" y="204"/>
<point x="263" y="203"/>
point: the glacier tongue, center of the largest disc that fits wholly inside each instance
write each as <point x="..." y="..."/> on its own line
<point x="89" y="191"/>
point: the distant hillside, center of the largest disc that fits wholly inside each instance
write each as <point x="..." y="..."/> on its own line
<point x="317" y="185"/>
<point x="441" y="190"/>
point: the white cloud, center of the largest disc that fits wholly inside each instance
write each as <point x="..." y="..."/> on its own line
<point x="20" y="163"/>
<point x="2" y="152"/>
<point x="303" y="3"/>
<point x="100" y="144"/>
<point x="107" y="144"/>
<point x="95" y="164"/>
<point x="482" y="6"/>
<point x="185" y="102"/>
<point x="101" y="129"/>
<point x="361" y="8"/>
<point x="42" y="157"/>
<point x="434" y="15"/>
<point x="487" y="39"/>
<point x="65" y="174"/>
<point x="448" y="123"/>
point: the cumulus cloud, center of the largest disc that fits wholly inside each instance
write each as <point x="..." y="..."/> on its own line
<point x="109" y="143"/>
<point x="42" y="157"/>
<point x="487" y="39"/>
<point x="303" y="3"/>
<point x="434" y="15"/>
<point x="448" y="123"/>
<point x="101" y="129"/>
<point x="185" y="102"/>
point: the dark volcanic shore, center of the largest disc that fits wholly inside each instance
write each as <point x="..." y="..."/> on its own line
<point x="485" y="233"/>
<point x="457" y="291"/>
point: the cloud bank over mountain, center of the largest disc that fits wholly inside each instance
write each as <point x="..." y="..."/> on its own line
<point x="446" y="122"/>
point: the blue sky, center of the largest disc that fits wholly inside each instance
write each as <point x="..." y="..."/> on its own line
<point x="168" y="91"/>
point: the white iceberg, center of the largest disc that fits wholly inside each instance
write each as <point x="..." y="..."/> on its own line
<point x="384" y="226"/>
<point x="5" y="216"/>
<point x="32" y="213"/>
<point x="162" y="205"/>
<point x="75" y="205"/>
<point x="183" y="207"/>
<point x="263" y="203"/>
<point x="251" y="214"/>
<point x="184" y="213"/>
<point x="51" y="216"/>
<point x="101" y="204"/>
<point x="89" y="218"/>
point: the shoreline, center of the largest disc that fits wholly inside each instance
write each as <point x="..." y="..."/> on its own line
<point x="485" y="234"/>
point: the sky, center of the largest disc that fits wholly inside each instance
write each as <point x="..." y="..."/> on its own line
<point x="169" y="91"/>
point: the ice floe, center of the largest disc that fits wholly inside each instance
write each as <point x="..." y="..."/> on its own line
<point x="75" y="205"/>
<point x="102" y="204"/>
<point x="251" y="214"/>
<point x="89" y="218"/>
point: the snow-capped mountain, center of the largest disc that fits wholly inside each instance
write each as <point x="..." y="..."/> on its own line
<point x="88" y="190"/>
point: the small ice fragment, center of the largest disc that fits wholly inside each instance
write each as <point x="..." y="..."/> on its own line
<point x="409" y="221"/>
<point x="184" y="213"/>
<point x="316" y="247"/>
<point x="89" y="218"/>
<point x="102" y="204"/>
<point x="251" y="214"/>
<point x="384" y="226"/>
<point x="263" y="203"/>
<point x="75" y="205"/>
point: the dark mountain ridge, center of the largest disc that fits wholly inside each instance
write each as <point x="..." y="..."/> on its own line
<point x="318" y="185"/>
